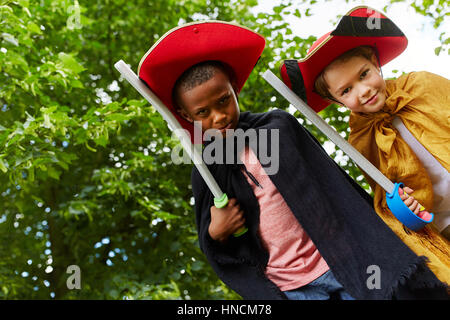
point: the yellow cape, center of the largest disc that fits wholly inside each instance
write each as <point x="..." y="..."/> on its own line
<point x="422" y="101"/>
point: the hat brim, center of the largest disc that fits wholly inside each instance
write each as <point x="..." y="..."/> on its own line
<point x="388" y="43"/>
<point x="237" y="47"/>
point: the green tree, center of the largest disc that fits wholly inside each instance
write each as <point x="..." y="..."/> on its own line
<point x="86" y="175"/>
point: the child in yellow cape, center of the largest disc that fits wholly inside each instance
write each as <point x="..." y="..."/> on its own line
<point x="402" y="126"/>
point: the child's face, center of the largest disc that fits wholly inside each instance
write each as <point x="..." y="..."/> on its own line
<point x="357" y="84"/>
<point x="213" y="102"/>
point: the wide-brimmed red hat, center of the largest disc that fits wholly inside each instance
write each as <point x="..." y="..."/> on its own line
<point x="237" y="47"/>
<point x="361" y="26"/>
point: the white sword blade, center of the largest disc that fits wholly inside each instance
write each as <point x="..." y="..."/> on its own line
<point x="329" y="131"/>
<point x="194" y="153"/>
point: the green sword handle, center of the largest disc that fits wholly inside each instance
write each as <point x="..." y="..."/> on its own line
<point x="222" y="202"/>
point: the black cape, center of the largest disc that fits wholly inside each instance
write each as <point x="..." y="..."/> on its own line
<point x="334" y="210"/>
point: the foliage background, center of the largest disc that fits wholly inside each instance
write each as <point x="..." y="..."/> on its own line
<point x="85" y="169"/>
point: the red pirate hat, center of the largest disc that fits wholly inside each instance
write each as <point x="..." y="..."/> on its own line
<point x="361" y="26"/>
<point x="237" y="47"/>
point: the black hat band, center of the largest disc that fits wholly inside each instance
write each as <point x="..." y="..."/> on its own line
<point x="373" y="26"/>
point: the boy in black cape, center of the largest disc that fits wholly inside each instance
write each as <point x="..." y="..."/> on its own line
<point x="312" y="231"/>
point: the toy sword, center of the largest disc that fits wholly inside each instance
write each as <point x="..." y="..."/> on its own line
<point x="394" y="202"/>
<point x="220" y="198"/>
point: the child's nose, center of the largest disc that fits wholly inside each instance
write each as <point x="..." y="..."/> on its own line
<point x="219" y="117"/>
<point x="364" y="90"/>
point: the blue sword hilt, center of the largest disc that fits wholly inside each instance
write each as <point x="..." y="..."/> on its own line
<point x="402" y="212"/>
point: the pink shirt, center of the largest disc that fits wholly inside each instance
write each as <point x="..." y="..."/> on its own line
<point x="294" y="260"/>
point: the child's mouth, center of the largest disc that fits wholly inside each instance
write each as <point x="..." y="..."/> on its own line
<point x="228" y="126"/>
<point x="373" y="99"/>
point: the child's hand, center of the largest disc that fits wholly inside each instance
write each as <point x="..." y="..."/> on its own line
<point x="226" y="221"/>
<point x="412" y="203"/>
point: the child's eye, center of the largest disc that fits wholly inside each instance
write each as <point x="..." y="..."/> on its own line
<point x="201" y="112"/>
<point x="345" y="91"/>
<point x="364" y="74"/>
<point x="224" y="99"/>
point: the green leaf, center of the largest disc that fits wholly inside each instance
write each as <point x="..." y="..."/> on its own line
<point x="34" y="28"/>
<point x="69" y="62"/>
<point x="197" y="265"/>
<point x="102" y="140"/>
<point x="117" y="117"/>
<point x="53" y="173"/>
<point x="24" y="3"/>
<point x="165" y="215"/>
<point x="76" y="84"/>
<point x="437" y="50"/>
<point x="2" y="166"/>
